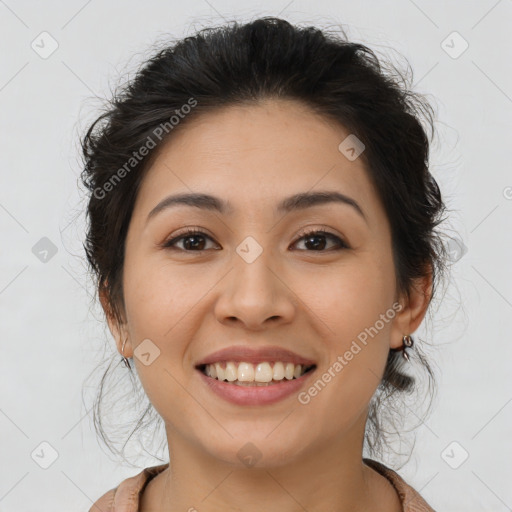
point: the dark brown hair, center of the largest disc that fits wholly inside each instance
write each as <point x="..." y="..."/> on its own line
<point x="243" y="63"/>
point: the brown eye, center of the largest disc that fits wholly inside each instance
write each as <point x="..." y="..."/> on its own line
<point x="194" y="241"/>
<point x="315" y="240"/>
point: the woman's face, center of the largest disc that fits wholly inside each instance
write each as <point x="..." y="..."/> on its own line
<point x="251" y="280"/>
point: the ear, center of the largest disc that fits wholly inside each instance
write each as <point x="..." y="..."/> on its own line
<point x="119" y="331"/>
<point x="409" y="318"/>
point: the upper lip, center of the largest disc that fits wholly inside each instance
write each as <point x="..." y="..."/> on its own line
<point x="243" y="353"/>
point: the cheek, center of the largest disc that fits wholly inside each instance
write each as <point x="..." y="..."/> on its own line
<point x="362" y="328"/>
<point x="349" y="297"/>
<point x="357" y="309"/>
<point x="157" y="296"/>
<point x="160" y="301"/>
<point x="342" y="389"/>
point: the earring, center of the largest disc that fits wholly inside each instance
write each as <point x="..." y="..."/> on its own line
<point x="125" y="360"/>
<point x="407" y="343"/>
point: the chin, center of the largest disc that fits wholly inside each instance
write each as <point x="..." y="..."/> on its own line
<point x="258" y="449"/>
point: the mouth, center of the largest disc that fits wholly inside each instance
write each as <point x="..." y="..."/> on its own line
<point x="265" y="373"/>
<point x="246" y="384"/>
<point x="250" y="375"/>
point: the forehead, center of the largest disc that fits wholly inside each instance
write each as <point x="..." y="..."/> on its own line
<point x="253" y="155"/>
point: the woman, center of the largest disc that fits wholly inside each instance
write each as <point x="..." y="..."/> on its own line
<point x="262" y="229"/>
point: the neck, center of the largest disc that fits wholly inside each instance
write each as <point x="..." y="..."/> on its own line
<point x="329" y="476"/>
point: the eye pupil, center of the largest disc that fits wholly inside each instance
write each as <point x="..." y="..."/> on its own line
<point x="195" y="242"/>
<point x="317" y="245"/>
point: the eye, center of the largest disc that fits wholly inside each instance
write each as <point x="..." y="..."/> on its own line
<point x="316" y="239"/>
<point x="194" y="240"/>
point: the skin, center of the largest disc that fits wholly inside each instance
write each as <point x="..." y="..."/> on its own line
<point x="314" y="302"/>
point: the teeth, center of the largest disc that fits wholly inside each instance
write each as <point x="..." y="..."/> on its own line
<point x="244" y="374"/>
<point x="278" y="371"/>
<point x="263" y="373"/>
<point x="231" y="372"/>
<point x="221" y="373"/>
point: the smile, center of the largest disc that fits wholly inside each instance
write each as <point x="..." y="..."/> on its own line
<point x="247" y="374"/>
<point x="246" y="390"/>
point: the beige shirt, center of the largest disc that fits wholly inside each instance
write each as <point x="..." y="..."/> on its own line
<point x="126" y="496"/>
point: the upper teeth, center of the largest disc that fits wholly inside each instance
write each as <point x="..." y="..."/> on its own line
<point x="247" y="372"/>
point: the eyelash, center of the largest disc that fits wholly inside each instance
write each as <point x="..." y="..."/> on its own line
<point x="305" y="233"/>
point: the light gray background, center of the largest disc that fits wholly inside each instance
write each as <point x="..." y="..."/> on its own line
<point x="50" y="336"/>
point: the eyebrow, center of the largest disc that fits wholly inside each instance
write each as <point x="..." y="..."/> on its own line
<point x="295" y="202"/>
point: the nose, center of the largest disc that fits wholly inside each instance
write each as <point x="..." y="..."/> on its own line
<point x="255" y="295"/>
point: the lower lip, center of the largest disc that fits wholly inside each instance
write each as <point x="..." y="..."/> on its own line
<point x="255" y="395"/>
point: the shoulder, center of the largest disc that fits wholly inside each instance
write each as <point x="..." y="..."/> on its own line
<point x="105" y="503"/>
<point x="409" y="497"/>
<point x="125" y="497"/>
